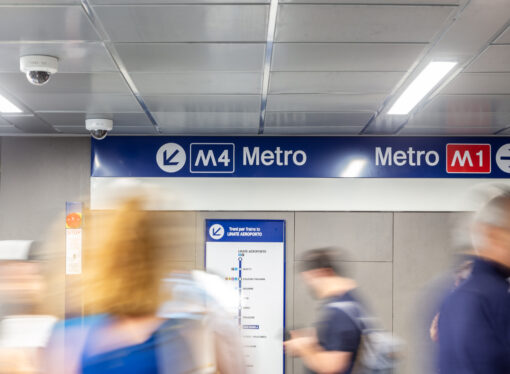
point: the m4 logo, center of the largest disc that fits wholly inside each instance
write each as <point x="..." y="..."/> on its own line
<point x="468" y="158"/>
<point x="212" y="158"/>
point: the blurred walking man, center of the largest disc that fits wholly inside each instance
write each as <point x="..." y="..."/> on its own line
<point x="474" y="320"/>
<point x="333" y="347"/>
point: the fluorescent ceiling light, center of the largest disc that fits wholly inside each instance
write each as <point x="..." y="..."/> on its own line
<point x="7" y="107"/>
<point x="354" y="168"/>
<point x="421" y="86"/>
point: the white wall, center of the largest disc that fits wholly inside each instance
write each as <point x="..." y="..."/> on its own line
<point x="296" y="194"/>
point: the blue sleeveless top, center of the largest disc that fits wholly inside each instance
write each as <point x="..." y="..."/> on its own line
<point x="139" y="358"/>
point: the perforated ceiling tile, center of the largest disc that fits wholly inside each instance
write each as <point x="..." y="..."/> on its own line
<point x="203" y="103"/>
<point x="344" y="57"/>
<point x="133" y="130"/>
<point x="172" y="57"/>
<point x="334" y="82"/>
<point x="358" y="23"/>
<point x="200" y="130"/>
<point x="494" y="59"/>
<point x="73" y="57"/>
<point x="45" y="23"/>
<point x="458" y="120"/>
<point x="314" y="130"/>
<point x="185" y="23"/>
<point x="67" y="83"/>
<point x="30" y="124"/>
<point x="89" y="103"/>
<point x="479" y="83"/>
<point x="207" y="120"/>
<point x="382" y="2"/>
<point x="317" y="119"/>
<point x="198" y="83"/>
<point x="504" y="38"/>
<point x="447" y="131"/>
<point x="330" y="103"/>
<point x="159" y="2"/>
<point x="78" y="119"/>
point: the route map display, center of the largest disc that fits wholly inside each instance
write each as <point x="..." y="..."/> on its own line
<point x="250" y="255"/>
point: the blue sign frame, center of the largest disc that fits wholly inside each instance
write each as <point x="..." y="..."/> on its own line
<point x="301" y="157"/>
<point x="272" y="231"/>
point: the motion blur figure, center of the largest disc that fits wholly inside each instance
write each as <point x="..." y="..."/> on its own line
<point x="24" y="329"/>
<point x="474" y="319"/>
<point x="333" y="346"/>
<point x="126" y="256"/>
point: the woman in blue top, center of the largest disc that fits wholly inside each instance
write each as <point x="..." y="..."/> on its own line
<point x="121" y="285"/>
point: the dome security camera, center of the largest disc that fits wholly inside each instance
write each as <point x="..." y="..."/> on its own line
<point x="99" y="127"/>
<point x="38" y="68"/>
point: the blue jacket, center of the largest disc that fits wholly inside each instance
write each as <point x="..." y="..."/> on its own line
<point x="474" y="323"/>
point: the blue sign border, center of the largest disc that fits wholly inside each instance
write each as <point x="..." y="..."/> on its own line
<point x="211" y="221"/>
<point x="292" y="157"/>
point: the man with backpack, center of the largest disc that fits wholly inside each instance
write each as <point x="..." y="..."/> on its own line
<point x="344" y="340"/>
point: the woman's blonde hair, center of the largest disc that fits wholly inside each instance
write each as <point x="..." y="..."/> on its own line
<point x="125" y="252"/>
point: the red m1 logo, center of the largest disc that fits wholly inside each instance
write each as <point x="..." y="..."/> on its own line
<point x="468" y="158"/>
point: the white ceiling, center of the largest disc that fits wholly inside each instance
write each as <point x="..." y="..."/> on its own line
<point x="198" y="66"/>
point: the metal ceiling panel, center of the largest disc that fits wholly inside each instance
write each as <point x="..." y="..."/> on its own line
<point x="505" y="132"/>
<point x="203" y="103"/>
<point x="45" y="23"/>
<point x="457" y="120"/>
<point x="200" y="130"/>
<point x="359" y="23"/>
<point x="504" y="38"/>
<point x="185" y="23"/>
<point x="74" y="130"/>
<point x="133" y="130"/>
<point x="495" y="59"/>
<point x="66" y="83"/>
<point x="319" y="102"/>
<point x="317" y="119"/>
<point x="89" y="103"/>
<point x="73" y="57"/>
<point x="3" y="122"/>
<point x="314" y="130"/>
<point x="78" y="119"/>
<point x="168" y="57"/>
<point x="344" y="57"/>
<point x="199" y="82"/>
<point x="469" y="104"/>
<point x="446" y="131"/>
<point x="138" y="2"/>
<point x="334" y="82"/>
<point x="479" y="83"/>
<point x="207" y="120"/>
<point x="382" y="2"/>
<point x="10" y="130"/>
<point x="30" y="124"/>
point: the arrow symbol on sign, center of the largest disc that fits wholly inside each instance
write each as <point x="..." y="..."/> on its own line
<point x="217" y="231"/>
<point x="168" y="160"/>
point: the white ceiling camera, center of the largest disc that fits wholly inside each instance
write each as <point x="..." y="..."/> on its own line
<point x="38" y="68"/>
<point x="99" y="127"/>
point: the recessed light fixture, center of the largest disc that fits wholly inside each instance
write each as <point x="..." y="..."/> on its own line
<point x="421" y="86"/>
<point x="7" y="107"/>
<point x="354" y="168"/>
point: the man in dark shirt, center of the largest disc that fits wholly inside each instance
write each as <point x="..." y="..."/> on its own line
<point x="333" y="345"/>
<point x="474" y="320"/>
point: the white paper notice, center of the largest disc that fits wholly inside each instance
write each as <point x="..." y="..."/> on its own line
<point x="238" y="251"/>
<point x="73" y="251"/>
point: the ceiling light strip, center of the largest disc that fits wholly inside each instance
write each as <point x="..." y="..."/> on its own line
<point x="271" y="28"/>
<point x="91" y="14"/>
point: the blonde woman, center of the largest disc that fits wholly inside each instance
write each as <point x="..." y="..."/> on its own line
<point x="125" y="257"/>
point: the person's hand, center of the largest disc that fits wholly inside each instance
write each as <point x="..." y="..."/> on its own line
<point x="300" y="341"/>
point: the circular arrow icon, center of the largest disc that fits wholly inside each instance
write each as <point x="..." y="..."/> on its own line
<point x="503" y="158"/>
<point x="216" y="231"/>
<point x="171" y="157"/>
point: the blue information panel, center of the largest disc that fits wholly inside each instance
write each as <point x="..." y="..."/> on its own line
<point x="302" y="157"/>
<point x="250" y="256"/>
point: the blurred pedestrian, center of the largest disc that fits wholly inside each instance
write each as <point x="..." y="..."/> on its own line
<point x="333" y="345"/>
<point x="474" y="320"/>
<point x="122" y="332"/>
<point x="24" y="325"/>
